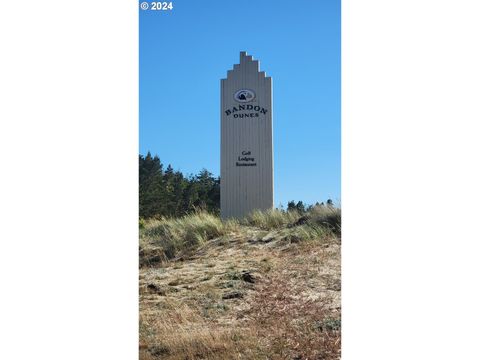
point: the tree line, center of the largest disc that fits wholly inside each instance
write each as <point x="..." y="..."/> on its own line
<point x="165" y="192"/>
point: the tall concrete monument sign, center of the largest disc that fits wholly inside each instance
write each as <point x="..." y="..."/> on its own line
<point x="246" y="174"/>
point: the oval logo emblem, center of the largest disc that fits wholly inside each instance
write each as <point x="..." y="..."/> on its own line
<point x="244" y="95"/>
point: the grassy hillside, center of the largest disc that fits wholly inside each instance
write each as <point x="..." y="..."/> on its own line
<point x="265" y="287"/>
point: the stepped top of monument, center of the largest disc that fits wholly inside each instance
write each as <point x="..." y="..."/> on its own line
<point x="247" y="64"/>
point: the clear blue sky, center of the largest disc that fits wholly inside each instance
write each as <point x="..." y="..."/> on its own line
<point x="185" y="52"/>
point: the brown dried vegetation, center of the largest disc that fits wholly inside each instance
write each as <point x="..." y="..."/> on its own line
<point x="249" y="293"/>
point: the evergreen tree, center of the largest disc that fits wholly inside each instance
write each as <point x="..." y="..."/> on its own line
<point x="208" y="191"/>
<point x="169" y="190"/>
<point x="291" y="206"/>
<point x="300" y="207"/>
<point x="151" y="192"/>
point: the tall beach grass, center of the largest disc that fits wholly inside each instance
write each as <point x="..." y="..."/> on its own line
<point x="162" y="239"/>
<point x="165" y="238"/>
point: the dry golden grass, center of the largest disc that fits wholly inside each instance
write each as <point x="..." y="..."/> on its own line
<point x="183" y="333"/>
<point x="241" y="291"/>
<point x="292" y="320"/>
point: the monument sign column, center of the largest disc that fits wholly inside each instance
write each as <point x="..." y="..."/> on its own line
<point x="246" y="174"/>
